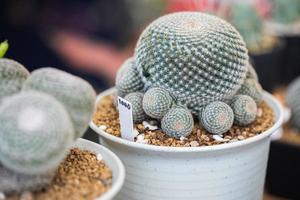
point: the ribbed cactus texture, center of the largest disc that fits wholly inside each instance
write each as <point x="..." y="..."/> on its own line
<point x="136" y="100"/>
<point x="197" y="57"/>
<point x="76" y="94"/>
<point x="217" y="117"/>
<point x="251" y="73"/>
<point x="244" y="109"/>
<point x="128" y="79"/>
<point x="293" y="102"/>
<point x="157" y="102"/>
<point x="35" y="132"/>
<point x="252" y="88"/>
<point x="12" y="77"/>
<point x="13" y="182"/>
<point x="177" y="122"/>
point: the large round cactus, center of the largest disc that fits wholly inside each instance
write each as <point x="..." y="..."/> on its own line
<point x="35" y="132"/>
<point x="293" y="102"/>
<point x="136" y="100"/>
<point x="128" y="79"/>
<point x="197" y="57"/>
<point x="12" y="77"/>
<point x="217" y="117"/>
<point x="13" y="182"/>
<point x="177" y="122"/>
<point x="76" y="94"/>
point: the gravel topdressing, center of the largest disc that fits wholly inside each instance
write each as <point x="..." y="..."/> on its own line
<point x="80" y="177"/>
<point x="107" y="119"/>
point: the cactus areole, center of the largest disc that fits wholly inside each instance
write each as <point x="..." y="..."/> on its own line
<point x="197" y="57"/>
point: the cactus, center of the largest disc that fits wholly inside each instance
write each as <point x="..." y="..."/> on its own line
<point x="12" y="182"/>
<point x="128" y="79"/>
<point x="217" y="117"/>
<point x="251" y="72"/>
<point x="197" y="57"/>
<point x="244" y="109"/>
<point x="77" y="95"/>
<point x="3" y="48"/>
<point x="293" y="102"/>
<point x="157" y="102"/>
<point x="287" y="11"/>
<point x="12" y="77"/>
<point x="253" y="89"/>
<point x="136" y="100"/>
<point x="177" y="122"/>
<point x="35" y="132"/>
<point x="247" y="21"/>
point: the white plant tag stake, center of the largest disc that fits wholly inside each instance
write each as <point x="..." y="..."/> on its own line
<point x="126" y="121"/>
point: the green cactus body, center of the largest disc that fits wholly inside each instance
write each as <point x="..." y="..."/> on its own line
<point x="128" y="79"/>
<point x="287" y="11"/>
<point x="251" y="72"/>
<point x="76" y="94"/>
<point x="136" y="100"/>
<point x="12" y="182"/>
<point x="197" y="57"/>
<point x="217" y="117"/>
<point x="35" y="132"/>
<point x="293" y="102"/>
<point x="12" y="77"/>
<point x="157" y="102"/>
<point x="252" y="88"/>
<point x="178" y="122"/>
<point x="244" y="109"/>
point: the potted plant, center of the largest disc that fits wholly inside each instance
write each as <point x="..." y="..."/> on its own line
<point x="42" y="115"/>
<point x="264" y="48"/>
<point x="283" y="174"/>
<point x="201" y="120"/>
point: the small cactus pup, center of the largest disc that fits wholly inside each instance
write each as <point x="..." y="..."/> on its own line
<point x="178" y="122"/>
<point x="244" y="109"/>
<point x="252" y="88"/>
<point x="13" y="182"/>
<point x="76" y="94"/>
<point x="3" y="48"/>
<point x="217" y="117"/>
<point x="157" y="102"/>
<point x="12" y="77"/>
<point x="198" y="58"/>
<point x="293" y="102"/>
<point x="136" y="100"/>
<point x="35" y="133"/>
<point x="128" y="79"/>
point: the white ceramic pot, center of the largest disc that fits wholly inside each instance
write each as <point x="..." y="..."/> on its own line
<point x="111" y="160"/>
<point x="221" y="172"/>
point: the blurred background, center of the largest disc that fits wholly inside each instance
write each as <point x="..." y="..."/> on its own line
<point x="91" y="39"/>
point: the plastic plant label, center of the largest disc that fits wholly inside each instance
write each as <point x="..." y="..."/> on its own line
<point x="126" y="121"/>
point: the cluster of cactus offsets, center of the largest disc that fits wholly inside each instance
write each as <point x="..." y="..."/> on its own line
<point x="157" y="102"/>
<point x="12" y="77"/>
<point x="35" y="133"/>
<point x="76" y="94"/>
<point x="217" y="117"/>
<point x="128" y="79"/>
<point x="198" y="58"/>
<point x="178" y="122"/>
<point x="293" y="102"/>
<point x="287" y="11"/>
<point x="252" y="88"/>
<point x="244" y="109"/>
<point x="136" y="100"/>
<point x="12" y="182"/>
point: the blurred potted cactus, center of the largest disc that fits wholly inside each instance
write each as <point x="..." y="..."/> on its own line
<point x="193" y="94"/>
<point x="42" y="115"/>
<point x="283" y="170"/>
<point x="265" y="49"/>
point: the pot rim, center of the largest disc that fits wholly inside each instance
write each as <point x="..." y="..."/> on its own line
<point x="275" y="105"/>
<point x="97" y="148"/>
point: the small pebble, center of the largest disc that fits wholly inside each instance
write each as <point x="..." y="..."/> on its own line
<point x="149" y="126"/>
<point x="194" y="144"/>
<point x="218" y="138"/>
<point x="182" y="138"/>
<point x="2" y="196"/>
<point x="26" y="196"/>
<point x="99" y="157"/>
<point x="240" y="137"/>
<point x="135" y="132"/>
<point x="103" y="127"/>
<point x="259" y="112"/>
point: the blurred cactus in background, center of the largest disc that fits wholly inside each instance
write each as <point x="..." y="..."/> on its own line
<point x="3" y="48"/>
<point x="285" y="11"/>
<point x="293" y="102"/>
